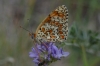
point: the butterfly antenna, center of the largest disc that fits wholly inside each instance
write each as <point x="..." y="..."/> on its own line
<point x="24" y="29"/>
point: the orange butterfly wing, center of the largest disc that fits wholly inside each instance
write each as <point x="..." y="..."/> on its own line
<point x="55" y="26"/>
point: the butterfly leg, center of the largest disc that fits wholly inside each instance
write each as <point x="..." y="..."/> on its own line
<point x="44" y="43"/>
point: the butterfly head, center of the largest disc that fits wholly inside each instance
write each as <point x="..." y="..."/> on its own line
<point x="32" y="35"/>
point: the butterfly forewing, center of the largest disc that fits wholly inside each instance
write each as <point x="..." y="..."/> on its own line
<point x="55" y="26"/>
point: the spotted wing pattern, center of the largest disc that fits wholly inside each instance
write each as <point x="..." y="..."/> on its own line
<point x="55" y="27"/>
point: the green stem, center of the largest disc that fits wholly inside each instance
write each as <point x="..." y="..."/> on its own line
<point x="84" y="56"/>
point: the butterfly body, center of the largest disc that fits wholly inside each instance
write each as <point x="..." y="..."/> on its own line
<point x="54" y="27"/>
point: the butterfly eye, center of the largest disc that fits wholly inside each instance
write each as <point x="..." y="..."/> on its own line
<point x="32" y="35"/>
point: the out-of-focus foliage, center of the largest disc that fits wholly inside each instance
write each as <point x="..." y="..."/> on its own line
<point x="85" y="42"/>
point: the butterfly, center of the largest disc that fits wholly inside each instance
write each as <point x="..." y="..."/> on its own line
<point x="54" y="28"/>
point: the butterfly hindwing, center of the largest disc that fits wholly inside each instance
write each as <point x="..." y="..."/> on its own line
<point x="55" y="26"/>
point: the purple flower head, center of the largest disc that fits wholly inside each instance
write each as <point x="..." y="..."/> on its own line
<point x="33" y="54"/>
<point x="45" y="53"/>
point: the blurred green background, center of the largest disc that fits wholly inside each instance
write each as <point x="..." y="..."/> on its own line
<point x="83" y="39"/>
